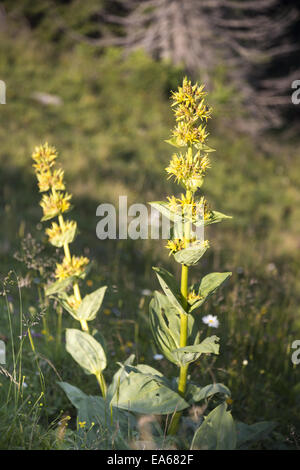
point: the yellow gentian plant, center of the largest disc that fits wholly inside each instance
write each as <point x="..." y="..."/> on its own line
<point x="188" y="166"/>
<point x="55" y="203"/>
<point x="141" y="389"/>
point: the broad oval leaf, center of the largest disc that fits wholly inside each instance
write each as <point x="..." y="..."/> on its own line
<point x="208" y="285"/>
<point x="190" y="255"/>
<point x="211" y="282"/>
<point x="195" y="393"/>
<point x="147" y="394"/>
<point x="90" y="305"/>
<point x="104" y="424"/>
<point x="85" y="350"/>
<point x="190" y="354"/>
<point x="170" y="288"/>
<point x="118" y="377"/>
<point x="217" y="432"/>
<point x="165" y="325"/>
<point x="58" y="286"/>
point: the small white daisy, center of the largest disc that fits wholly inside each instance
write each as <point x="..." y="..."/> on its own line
<point x="211" y="320"/>
<point x="158" y="357"/>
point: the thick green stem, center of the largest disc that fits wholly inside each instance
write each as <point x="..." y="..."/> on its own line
<point x="183" y="342"/>
<point x="183" y="324"/>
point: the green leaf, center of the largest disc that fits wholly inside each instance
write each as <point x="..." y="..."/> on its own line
<point x="173" y="142"/>
<point x="204" y="147"/>
<point x="118" y="377"/>
<point x="195" y="393"/>
<point x="90" y="305"/>
<point x="211" y="282"/>
<point x="191" y="255"/>
<point x="75" y="395"/>
<point x="170" y="288"/>
<point x="58" y="286"/>
<point x="214" y="218"/>
<point x="147" y="394"/>
<point x="208" y="285"/>
<point x="165" y="325"/>
<point x="254" y="432"/>
<point x="104" y="425"/>
<point x="217" y="432"/>
<point x="63" y="300"/>
<point x="85" y="350"/>
<point x="192" y="353"/>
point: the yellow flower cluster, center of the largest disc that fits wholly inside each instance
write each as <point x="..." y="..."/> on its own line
<point x="189" y="102"/>
<point x="55" y="204"/>
<point x="190" y="108"/>
<point x="189" y="166"/>
<point x="58" y="235"/>
<point x="186" y="133"/>
<point x="178" y="244"/>
<point x="188" y="170"/>
<point x="74" y="266"/>
<point x="175" y="245"/>
<point x="186" y="206"/>
<point x="50" y="179"/>
<point x="190" y="111"/>
<point x="44" y="157"/>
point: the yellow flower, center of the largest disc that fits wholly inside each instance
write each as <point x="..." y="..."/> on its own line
<point x="188" y="169"/>
<point x="44" y="157"/>
<point x="71" y="267"/>
<point x="82" y="424"/>
<point x="58" y="235"/>
<point x="192" y="297"/>
<point x="178" y="244"/>
<point x="187" y="206"/>
<point x="175" y="245"/>
<point x="189" y="102"/>
<point x="55" y="204"/>
<point x="48" y="180"/>
<point x="186" y="133"/>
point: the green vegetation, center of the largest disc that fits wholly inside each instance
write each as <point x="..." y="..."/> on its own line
<point x="109" y="126"/>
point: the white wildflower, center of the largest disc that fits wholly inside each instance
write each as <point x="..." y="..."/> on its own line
<point x="211" y="320"/>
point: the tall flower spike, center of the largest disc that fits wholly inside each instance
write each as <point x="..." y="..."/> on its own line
<point x="54" y="204"/>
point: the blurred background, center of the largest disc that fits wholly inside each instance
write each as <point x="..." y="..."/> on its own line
<point x="93" y="79"/>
